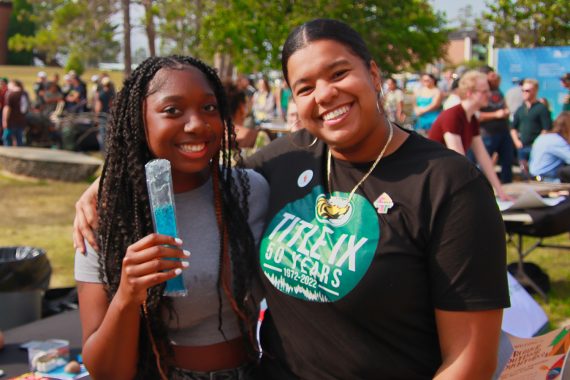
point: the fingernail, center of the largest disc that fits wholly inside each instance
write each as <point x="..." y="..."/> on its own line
<point x="177" y="271"/>
<point x="185" y="264"/>
<point x="178" y="241"/>
<point x="186" y="252"/>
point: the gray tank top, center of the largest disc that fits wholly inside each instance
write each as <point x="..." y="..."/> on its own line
<point x="196" y="319"/>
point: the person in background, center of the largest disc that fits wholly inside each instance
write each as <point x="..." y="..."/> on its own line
<point x="283" y="99"/>
<point x="565" y="81"/>
<point x="514" y="97"/>
<point x="550" y="154"/>
<point x="458" y="127"/>
<point x="445" y="82"/>
<point x="428" y="101"/>
<point x="243" y="83"/>
<point x="495" y="131"/>
<point x="67" y="86"/>
<point x="547" y="105"/>
<point x="237" y="101"/>
<point x="104" y="98"/>
<point x="452" y="99"/>
<point x="39" y="87"/>
<point x="52" y="97"/>
<point x="3" y="91"/>
<point x="292" y="117"/>
<point x="530" y="120"/>
<point x="263" y="102"/>
<point x="55" y="79"/>
<point x="14" y="114"/>
<point x="394" y="101"/>
<point x="92" y="91"/>
<point x="76" y="99"/>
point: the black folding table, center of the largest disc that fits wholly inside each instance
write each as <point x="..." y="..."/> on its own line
<point x="539" y="223"/>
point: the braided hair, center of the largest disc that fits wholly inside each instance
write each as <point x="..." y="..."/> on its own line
<point x="125" y="215"/>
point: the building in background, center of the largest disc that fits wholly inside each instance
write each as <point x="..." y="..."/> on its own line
<point x="464" y="46"/>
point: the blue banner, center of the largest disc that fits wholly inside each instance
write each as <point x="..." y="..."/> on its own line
<point x="545" y="64"/>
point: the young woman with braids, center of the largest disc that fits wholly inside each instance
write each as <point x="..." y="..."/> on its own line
<point x="172" y="108"/>
<point x="384" y="252"/>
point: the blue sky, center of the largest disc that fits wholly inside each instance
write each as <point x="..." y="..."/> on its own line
<point x="452" y="7"/>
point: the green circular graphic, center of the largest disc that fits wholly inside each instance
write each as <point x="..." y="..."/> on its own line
<point x="317" y="249"/>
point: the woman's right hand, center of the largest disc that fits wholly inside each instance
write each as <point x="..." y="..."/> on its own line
<point x="146" y="264"/>
<point x="86" y="222"/>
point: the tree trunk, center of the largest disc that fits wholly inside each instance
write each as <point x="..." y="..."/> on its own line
<point x="197" y="27"/>
<point x="224" y="65"/>
<point x="149" y="27"/>
<point x="5" y="11"/>
<point x="125" y="4"/>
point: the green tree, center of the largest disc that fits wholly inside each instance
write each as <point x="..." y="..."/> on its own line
<point x="527" y="23"/>
<point x="70" y="27"/>
<point x="20" y="24"/>
<point x="74" y="63"/>
<point x="179" y="25"/>
<point x="399" y="33"/>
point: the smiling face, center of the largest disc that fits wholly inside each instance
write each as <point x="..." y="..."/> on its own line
<point x="335" y="93"/>
<point x="183" y="124"/>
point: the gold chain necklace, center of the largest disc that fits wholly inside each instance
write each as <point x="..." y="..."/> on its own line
<point x="391" y="133"/>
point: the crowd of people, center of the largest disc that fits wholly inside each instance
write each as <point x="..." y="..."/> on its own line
<point x="467" y="112"/>
<point x="35" y="119"/>
<point x="504" y="125"/>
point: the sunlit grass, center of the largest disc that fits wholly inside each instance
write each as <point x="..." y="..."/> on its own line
<point x="39" y="213"/>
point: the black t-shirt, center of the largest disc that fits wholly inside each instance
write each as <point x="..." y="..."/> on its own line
<point x="496" y="102"/>
<point x="352" y="290"/>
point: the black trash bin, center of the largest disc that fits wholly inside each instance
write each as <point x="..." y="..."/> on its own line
<point x="25" y="273"/>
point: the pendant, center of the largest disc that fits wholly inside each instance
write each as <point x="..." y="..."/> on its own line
<point x="333" y="209"/>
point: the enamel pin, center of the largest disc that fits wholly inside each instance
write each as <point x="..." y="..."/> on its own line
<point x="383" y="203"/>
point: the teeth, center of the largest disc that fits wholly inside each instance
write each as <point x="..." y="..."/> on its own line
<point x="336" y="113"/>
<point x="192" y="147"/>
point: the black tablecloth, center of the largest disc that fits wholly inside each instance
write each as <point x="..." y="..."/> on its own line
<point x="14" y="360"/>
<point x="546" y="221"/>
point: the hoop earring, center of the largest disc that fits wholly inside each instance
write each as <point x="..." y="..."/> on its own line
<point x="302" y="147"/>
<point x="378" y="98"/>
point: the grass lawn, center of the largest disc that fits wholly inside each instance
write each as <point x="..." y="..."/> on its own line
<point x="40" y="213"/>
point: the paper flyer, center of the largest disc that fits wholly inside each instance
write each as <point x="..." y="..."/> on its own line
<point x="543" y="357"/>
<point x="528" y="199"/>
